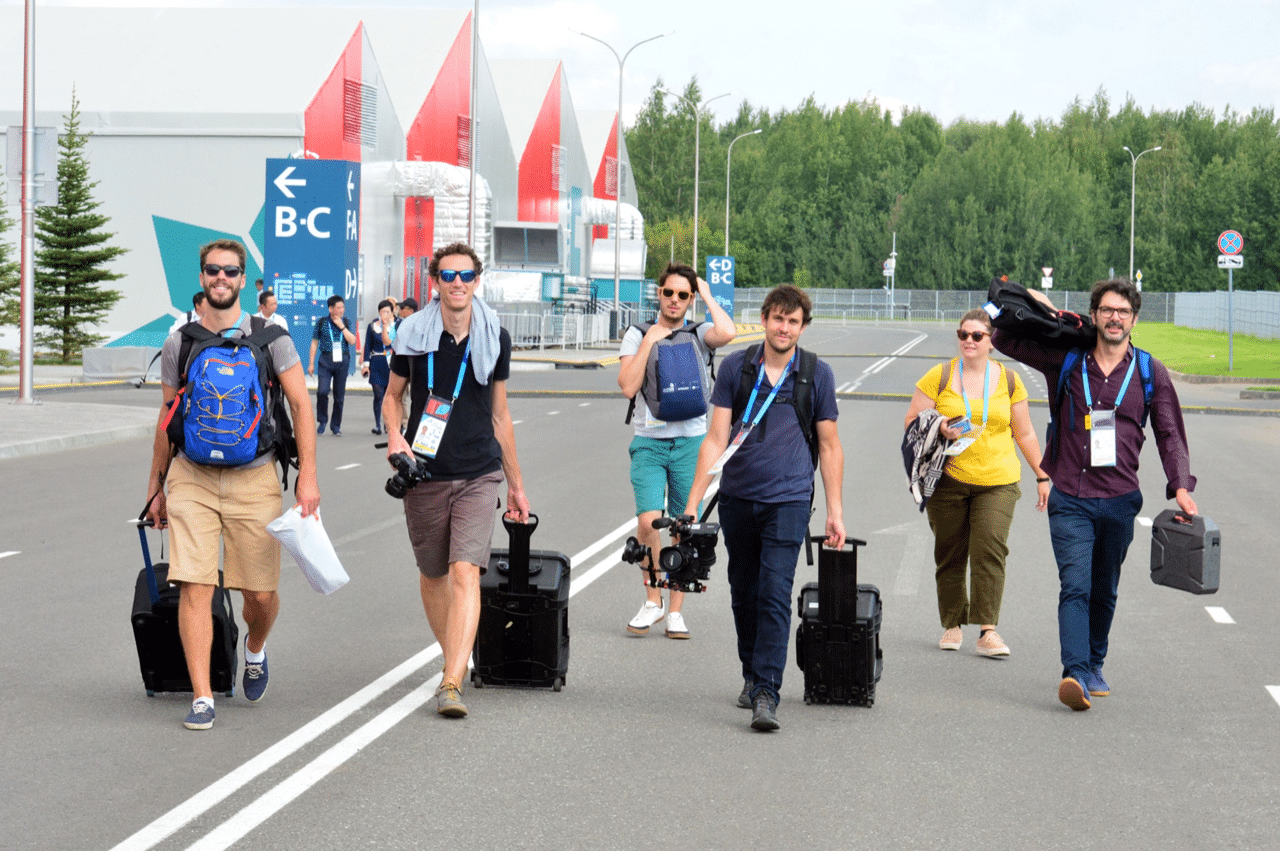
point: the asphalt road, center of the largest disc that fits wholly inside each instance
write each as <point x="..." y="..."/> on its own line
<point x="645" y="746"/>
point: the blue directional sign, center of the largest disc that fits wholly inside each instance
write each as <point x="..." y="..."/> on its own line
<point x="312" y="241"/>
<point x="720" y="276"/>
<point x="1230" y="242"/>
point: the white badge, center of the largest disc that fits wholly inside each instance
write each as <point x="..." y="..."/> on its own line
<point x="431" y="428"/>
<point x="970" y="434"/>
<point x="337" y="352"/>
<point x="733" y="447"/>
<point x="1102" y="438"/>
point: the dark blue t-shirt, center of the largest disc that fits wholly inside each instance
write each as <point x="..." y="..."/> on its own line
<point x="773" y="464"/>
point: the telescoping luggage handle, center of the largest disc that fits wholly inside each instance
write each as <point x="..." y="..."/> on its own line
<point x="518" y="552"/>
<point x="837" y="580"/>
<point x="152" y="587"/>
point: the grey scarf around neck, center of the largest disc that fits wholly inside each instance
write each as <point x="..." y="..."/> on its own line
<point x="419" y="334"/>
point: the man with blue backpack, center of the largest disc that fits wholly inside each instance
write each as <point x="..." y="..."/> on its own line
<point x="233" y="389"/>
<point x="1100" y="401"/>
<point x="664" y="371"/>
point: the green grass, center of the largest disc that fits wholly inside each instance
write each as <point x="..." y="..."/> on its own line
<point x="1198" y="352"/>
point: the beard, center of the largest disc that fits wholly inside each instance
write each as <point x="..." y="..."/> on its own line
<point x="228" y="302"/>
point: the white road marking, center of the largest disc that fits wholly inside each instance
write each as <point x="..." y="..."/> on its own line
<point x="347" y="466"/>
<point x="885" y="361"/>
<point x="844" y="387"/>
<point x="916" y="557"/>
<point x="1219" y="614"/>
<point x="552" y="413"/>
<point x="583" y="404"/>
<point x="265" y="806"/>
<point x="10" y="553"/>
<point x="1144" y="521"/>
<point x="516" y="422"/>
<point x="1275" y="693"/>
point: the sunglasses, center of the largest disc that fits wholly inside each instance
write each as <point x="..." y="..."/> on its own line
<point x="684" y="295"/>
<point x="976" y="336"/>
<point x="448" y="275"/>
<point x="212" y="270"/>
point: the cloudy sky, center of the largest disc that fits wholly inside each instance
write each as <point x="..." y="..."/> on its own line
<point x="977" y="59"/>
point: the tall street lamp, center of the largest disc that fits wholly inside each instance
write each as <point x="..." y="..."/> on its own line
<point x="697" y="156"/>
<point x="617" y="172"/>
<point x="727" y="166"/>
<point x="1133" y="189"/>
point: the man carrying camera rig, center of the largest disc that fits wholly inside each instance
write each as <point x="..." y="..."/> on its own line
<point x="664" y="454"/>
<point x="455" y="359"/>
<point x="766" y="491"/>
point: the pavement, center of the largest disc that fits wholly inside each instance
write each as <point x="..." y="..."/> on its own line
<point x="58" y="420"/>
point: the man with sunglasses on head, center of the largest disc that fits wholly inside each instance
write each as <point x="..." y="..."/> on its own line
<point x="1092" y="458"/>
<point x="205" y="504"/>
<point x="455" y="359"/>
<point x="334" y="338"/>
<point x="664" y="454"/>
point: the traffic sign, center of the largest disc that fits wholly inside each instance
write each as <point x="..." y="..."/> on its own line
<point x="1230" y="261"/>
<point x="889" y="266"/>
<point x="720" y="276"/>
<point x="1230" y="242"/>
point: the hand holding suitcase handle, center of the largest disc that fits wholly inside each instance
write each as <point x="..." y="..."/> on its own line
<point x="850" y="544"/>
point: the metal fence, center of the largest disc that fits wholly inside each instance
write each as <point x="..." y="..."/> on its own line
<point x="1254" y="313"/>
<point x="534" y="330"/>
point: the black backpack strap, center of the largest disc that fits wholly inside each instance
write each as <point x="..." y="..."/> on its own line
<point x="746" y="380"/>
<point x="643" y="328"/>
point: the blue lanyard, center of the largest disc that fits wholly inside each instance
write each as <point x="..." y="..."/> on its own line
<point x="1088" y="396"/>
<point x="328" y="332"/>
<point x="986" y="394"/>
<point x="235" y="326"/>
<point x="769" y="399"/>
<point x="462" y="371"/>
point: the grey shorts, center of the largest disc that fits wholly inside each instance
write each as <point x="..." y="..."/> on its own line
<point x="452" y="521"/>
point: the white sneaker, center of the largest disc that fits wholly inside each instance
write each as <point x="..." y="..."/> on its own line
<point x="676" y="627"/>
<point x="649" y="614"/>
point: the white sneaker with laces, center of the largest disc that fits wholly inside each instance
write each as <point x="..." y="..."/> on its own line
<point x="676" y="627"/>
<point x="649" y="614"/>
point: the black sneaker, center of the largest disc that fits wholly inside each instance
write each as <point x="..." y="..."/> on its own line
<point x="764" y="715"/>
<point x="744" y="699"/>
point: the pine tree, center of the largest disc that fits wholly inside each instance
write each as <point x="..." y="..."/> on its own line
<point x="9" y="270"/>
<point x="72" y="257"/>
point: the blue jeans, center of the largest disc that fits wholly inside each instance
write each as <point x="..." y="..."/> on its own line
<point x="1090" y="538"/>
<point x="326" y="372"/>
<point x="763" y="540"/>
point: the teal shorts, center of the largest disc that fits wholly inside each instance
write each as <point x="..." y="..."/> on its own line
<point x="663" y="467"/>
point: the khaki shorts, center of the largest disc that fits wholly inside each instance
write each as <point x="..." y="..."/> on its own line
<point x="212" y="504"/>
<point x="452" y="521"/>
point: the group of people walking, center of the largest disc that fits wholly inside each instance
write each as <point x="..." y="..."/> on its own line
<point x="766" y="425"/>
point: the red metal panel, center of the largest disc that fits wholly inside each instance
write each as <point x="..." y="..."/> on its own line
<point x="433" y="136"/>
<point x="419" y="230"/>
<point x="539" y="198"/>
<point x="326" y="118"/>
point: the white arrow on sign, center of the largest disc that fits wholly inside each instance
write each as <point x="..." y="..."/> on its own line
<point x="351" y="184"/>
<point x="718" y="264"/>
<point x="283" y="182"/>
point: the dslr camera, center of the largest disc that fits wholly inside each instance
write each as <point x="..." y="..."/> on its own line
<point x="409" y="471"/>
<point x="687" y="563"/>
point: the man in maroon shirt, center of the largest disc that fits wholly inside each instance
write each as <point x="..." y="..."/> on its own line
<point x="1093" y="461"/>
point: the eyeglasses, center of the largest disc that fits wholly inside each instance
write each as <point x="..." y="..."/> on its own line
<point x="1121" y="312"/>
<point x="976" y="336"/>
<point x="683" y="295"/>
<point x="467" y="275"/>
<point x="212" y="270"/>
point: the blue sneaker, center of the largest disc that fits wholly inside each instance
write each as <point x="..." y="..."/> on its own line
<point x="1073" y="693"/>
<point x="201" y="716"/>
<point x="1096" y="685"/>
<point x="255" y="680"/>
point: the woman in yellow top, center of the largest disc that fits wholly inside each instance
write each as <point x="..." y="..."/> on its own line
<point x="971" y="509"/>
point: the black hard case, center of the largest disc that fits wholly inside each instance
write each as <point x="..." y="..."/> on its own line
<point x="155" y="631"/>
<point x="838" y="642"/>
<point x="1185" y="555"/>
<point x="523" y="638"/>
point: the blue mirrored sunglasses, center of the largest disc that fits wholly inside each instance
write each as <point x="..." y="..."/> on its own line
<point x="467" y="275"/>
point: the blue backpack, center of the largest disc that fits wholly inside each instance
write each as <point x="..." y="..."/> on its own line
<point x="678" y="377"/>
<point x="1064" y="390"/>
<point x="229" y="409"/>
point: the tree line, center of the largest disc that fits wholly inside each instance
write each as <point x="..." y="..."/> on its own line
<point x="817" y="197"/>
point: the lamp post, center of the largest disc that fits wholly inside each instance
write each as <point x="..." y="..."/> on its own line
<point x="617" y="170"/>
<point x="727" y="166"/>
<point x="697" y="156"/>
<point x="1133" y="189"/>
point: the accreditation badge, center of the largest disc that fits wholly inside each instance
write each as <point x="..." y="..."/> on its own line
<point x="337" y="352"/>
<point x="970" y="437"/>
<point x="734" y="446"/>
<point x="1102" y="438"/>
<point x="431" y="429"/>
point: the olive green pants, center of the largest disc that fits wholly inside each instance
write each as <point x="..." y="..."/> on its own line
<point x="970" y="543"/>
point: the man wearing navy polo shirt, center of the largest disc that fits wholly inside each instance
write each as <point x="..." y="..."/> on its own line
<point x="334" y="339"/>
<point x="767" y="489"/>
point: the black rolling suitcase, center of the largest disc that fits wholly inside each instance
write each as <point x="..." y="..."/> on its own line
<point x="155" y="630"/>
<point x="838" y="642"/>
<point x="523" y="639"/>
<point x="1186" y="552"/>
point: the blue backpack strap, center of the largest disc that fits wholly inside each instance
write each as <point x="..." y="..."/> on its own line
<point x="1055" y="408"/>
<point x="1148" y="383"/>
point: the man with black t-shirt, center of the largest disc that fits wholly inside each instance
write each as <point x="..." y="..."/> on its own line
<point x="455" y="359"/>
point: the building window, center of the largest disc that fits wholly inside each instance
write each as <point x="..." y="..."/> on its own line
<point x="611" y="177"/>
<point x="464" y="141"/>
<point x="557" y="167"/>
<point x="359" y="113"/>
